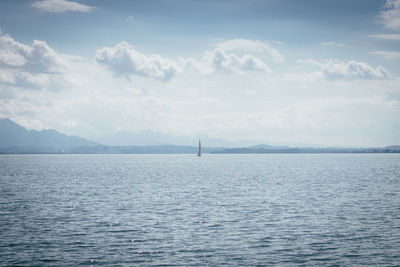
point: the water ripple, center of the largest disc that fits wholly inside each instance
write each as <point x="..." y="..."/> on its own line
<point x="174" y="210"/>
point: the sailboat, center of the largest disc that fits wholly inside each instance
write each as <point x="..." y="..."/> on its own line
<point x="199" y="153"/>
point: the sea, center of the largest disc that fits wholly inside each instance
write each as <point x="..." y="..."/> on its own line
<point x="214" y="210"/>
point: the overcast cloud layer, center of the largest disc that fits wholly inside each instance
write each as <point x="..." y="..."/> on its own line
<point x="243" y="72"/>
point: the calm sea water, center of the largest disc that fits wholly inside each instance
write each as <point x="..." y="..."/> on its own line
<point x="215" y="210"/>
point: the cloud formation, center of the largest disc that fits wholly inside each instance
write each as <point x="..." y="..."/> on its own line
<point x="60" y="6"/>
<point x="352" y="70"/>
<point x="333" y="69"/>
<point x="237" y="55"/>
<point x="24" y="79"/>
<point x="28" y="66"/>
<point x="219" y="60"/>
<point x="123" y="59"/>
<point x="38" y="57"/>
<point x="390" y="17"/>
<point x="250" y="46"/>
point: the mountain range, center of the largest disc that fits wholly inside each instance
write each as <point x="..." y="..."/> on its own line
<point x="151" y="138"/>
<point x="14" y="135"/>
<point x="16" y="139"/>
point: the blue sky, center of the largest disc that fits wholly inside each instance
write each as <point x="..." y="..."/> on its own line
<point x="316" y="72"/>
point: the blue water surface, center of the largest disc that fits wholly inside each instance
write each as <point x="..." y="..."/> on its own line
<point x="182" y="210"/>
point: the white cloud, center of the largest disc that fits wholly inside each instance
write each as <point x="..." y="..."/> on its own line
<point x="123" y="59"/>
<point x="33" y="66"/>
<point x="60" y="6"/>
<point x="391" y="16"/>
<point x="352" y="70"/>
<point x="232" y="56"/>
<point x="13" y="53"/>
<point x="386" y="36"/>
<point x="191" y="65"/>
<point x="333" y="69"/>
<point x="219" y="60"/>
<point x="38" y="57"/>
<point x="24" y="79"/>
<point x="387" y="54"/>
<point x="250" y="46"/>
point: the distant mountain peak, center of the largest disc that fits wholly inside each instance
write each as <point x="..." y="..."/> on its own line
<point x="6" y="122"/>
<point x="14" y="135"/>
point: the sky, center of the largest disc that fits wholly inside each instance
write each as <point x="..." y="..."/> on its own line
<point x="283" y="72"/>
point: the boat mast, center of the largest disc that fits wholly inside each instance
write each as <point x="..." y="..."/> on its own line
<point x="199" y="153"/>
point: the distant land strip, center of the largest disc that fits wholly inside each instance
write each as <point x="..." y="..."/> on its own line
<point x="175" y="149"/>
<point x="308" y="150"/>
<point x="15" y="139"/>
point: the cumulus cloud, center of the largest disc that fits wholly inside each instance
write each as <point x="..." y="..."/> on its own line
<point x="28" y="66"/>
<point x="333" y="69"/>
<point x="38" y="57"/>
<point x="191" y="65"/>
<point x="123" y="59"/>
<point x="60" y="6"/>
<point x="390" y="17"/>
<point x="387" y="54"/>
<point x="237" y="55"/>
<point x="250" y="46"/>
<point x="352" y="70"/>
<point x="219" y="60"/>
